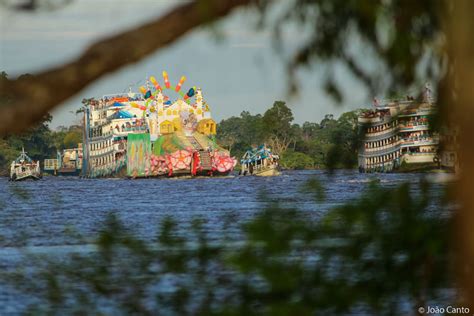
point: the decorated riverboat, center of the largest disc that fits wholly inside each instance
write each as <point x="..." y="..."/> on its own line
<point x="260" y="161"/>
<point x="147" y="134"/>
<point x="23" y="168"/>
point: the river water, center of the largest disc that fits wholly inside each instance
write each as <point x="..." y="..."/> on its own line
<point x="41" y="215"/>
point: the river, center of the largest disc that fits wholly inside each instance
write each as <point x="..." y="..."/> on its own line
<point x="41" y="215"/>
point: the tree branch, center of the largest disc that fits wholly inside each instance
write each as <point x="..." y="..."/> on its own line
<point x="31" y="98"/>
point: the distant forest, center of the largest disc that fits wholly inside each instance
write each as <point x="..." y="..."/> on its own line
<point x="331" y="143"/>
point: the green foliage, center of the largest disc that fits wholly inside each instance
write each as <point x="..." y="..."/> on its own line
<point x="296" y="160"/>
<point x="277" y="120"/>
<point x="378" y="254"/>
<point x="329" y="144"/>
<point x="239" y="133"/>
<point x="72" y="138"/>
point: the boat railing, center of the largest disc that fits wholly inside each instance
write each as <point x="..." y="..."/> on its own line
<point x="51" y="164"/>
<point x="413" y="124"/>
<point x="389" y="145"/>
<point x="384" y="132"/>
<point x="421" y="153"/>
<point x="382" y="151"/>
<point x="420" y="140"/>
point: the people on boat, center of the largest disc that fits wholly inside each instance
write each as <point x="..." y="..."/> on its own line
<point x="260" y="161"/>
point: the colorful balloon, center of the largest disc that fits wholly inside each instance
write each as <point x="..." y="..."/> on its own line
<point x="155" y="83"/>
<point x="180" y="83"/>
<point x="165" y="77"/>
<point x="189" y="94"/>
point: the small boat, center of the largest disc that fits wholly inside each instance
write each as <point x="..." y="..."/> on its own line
<point x="261" y="162"/>
<point x="24" y="167"/>
<point x="67" y="163"/>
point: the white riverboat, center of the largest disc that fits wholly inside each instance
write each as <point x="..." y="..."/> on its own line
<point x="24" y="167"/>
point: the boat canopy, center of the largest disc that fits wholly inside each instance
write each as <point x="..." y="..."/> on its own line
<point x="121" y="115"/>
<point x="256" y="154"/>
<point x="23" y="158"/>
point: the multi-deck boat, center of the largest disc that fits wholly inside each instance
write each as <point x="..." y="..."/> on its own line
<point x="260" y="161"/>
<point x="397" y="134"/>
<point x="146" y="134"/>
<point x="23" y="168"/>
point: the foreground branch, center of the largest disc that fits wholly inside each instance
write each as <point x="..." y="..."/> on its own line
<point x="31" y="98"/>
<point x="461" y="47"/>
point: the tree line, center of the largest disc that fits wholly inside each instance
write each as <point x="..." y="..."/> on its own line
<point x="331" y="143"/>
<point x="40" y="142"/>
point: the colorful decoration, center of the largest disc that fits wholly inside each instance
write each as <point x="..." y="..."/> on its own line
<point x="180" y="83"/>
<point x="155" y="83"/>
<point x="190" y="93"/>
<point x="139" y="151"/>
<point x="181" y="159"/>
<point x="159" y="165"/>
<point x="196" y="163"/>
<point x="149" y="95"/>
<point x="143" y="90"/>
<point x="222" y="162"/>
<point x="165" y="77"/>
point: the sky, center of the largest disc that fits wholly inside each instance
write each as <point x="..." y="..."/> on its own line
<point x="237" y="67"/>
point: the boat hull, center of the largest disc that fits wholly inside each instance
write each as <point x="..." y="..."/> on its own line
<point x="25" y="177"/>
<point x="267" y="173"/>
<point x="64" y="172"/>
